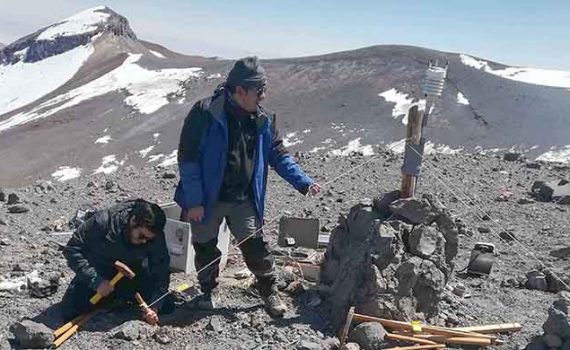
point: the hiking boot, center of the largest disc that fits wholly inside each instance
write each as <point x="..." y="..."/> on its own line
<point x="203" y="301"/>
<point x="274" y="305"/>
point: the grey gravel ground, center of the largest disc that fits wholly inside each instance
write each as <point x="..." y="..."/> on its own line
<point x="29" y="243"/>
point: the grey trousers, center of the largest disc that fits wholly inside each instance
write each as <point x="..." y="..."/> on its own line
<point x="242" y="222"/>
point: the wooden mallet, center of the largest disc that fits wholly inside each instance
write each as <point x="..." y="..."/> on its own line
<point x="122" y="271"/>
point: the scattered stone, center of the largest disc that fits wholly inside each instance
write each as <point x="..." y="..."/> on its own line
<point x="483" y="229"/>
<point x="215" y="325"/>
<point x="132" y="330"/>
<point x="536" y="280"/>
<point x="5" y="241"/>
<point x="308" y="345"/>
<point x="2" y="222"/>
<point x="2" y="195"/>
<point x="526" y="201"/>
<point x="42" y="288"/>
<point x="18" y="209"/>
<point x="350" y="346"/>
<point x="561" y="253"/>
<point x="533" y="165"/>
<point x="414" y="210"/>
<point x="369" y="335"/>
<point x="162" y="336"/>
<point x="507" y="236"/>
<point x="32" y="335"/>
<point x="169" y="175"/>
<point x="13" y="199"/>
<point x="511" y="156"/>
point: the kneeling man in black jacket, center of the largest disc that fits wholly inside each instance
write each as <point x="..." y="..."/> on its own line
<point x="130" y="232"/>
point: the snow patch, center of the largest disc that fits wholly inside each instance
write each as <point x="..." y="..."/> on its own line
<point x="65" y="173"/>
<point x="148" y="90"/>
<point x="214" y="76"/>
<point x="155" y="157"/>
<point x="306" y="131"/>
<point x="353" y="147"/>
<point x="109" y="164"/>
<point x="145" y="151"/>
<point x="536" y="76"/>
<point x="23" y="83"/>
<point x="403" y="103"/>
<point x="157" y="54"/>
<point x="104" y="139"/>
<point x="170" y="159"/>
<point x="316" y="149"/>
<point x="556" y="155"/>
<point x="80" y="23"/>
<point x="461" y="99"/>
<point x="429" y="148"/>
<point x="291" y="139"/>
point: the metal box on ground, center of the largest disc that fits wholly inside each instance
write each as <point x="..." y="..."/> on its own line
<point x="305" y="231"/>
<point x="482" y="259"/>
<point x="179" y="240"/>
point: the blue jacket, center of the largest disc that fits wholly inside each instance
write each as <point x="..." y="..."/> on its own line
<point x="202" y="157"/>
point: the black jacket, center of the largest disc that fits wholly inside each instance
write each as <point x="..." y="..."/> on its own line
<point x="101" y="240"/>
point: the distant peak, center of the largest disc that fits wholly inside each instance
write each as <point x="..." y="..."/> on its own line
<point x="67" y="34"/>
<point x="90" y="21"/>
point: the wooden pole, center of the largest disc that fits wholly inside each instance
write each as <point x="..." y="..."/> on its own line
<point x="413" y="136"/>
<point x="400" y="325"/>
<point x="408" y="339"/>
<point x="492" y="328"/>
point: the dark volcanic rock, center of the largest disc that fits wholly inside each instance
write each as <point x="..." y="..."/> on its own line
<point x="369" y="335"/>
<point x="557" y="323"/>
<point x="132" y="330"/>
<point x="18" y="209"/>
<point x="42" y="288"/>
<point x="32" y="335"/>
<point x="423" y="240"/>
<point x="416" y="211"/>
<point x="511" y="156"/>
<point x="13" y="199"/>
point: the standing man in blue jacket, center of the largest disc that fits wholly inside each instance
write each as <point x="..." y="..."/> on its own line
<point x="227" y="144"/>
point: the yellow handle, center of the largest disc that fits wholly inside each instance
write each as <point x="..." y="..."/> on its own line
<point x="71" y="331"/>
<point x="66" y="326"/>
<point x="97" y="297"/>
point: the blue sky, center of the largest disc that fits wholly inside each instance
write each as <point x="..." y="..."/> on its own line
<point x="527" y="33"/>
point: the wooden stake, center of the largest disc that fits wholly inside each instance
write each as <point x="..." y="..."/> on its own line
<point x="456" y="340"/>
<point x="492" y="328"/>
<point x="419" y="347"/>
<point x="399" y="325"/>
<point x="409" y="339"/>
<point x="413" y="136"/>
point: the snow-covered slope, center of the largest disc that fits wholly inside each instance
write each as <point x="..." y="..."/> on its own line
<point x="24" y="82"/>
<point x="148" y="91"/>
<point x="86" y="96"/>
<point x="546" y="77"/>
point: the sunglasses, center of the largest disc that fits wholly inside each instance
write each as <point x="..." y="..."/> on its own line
<point x="260" y="90"/>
